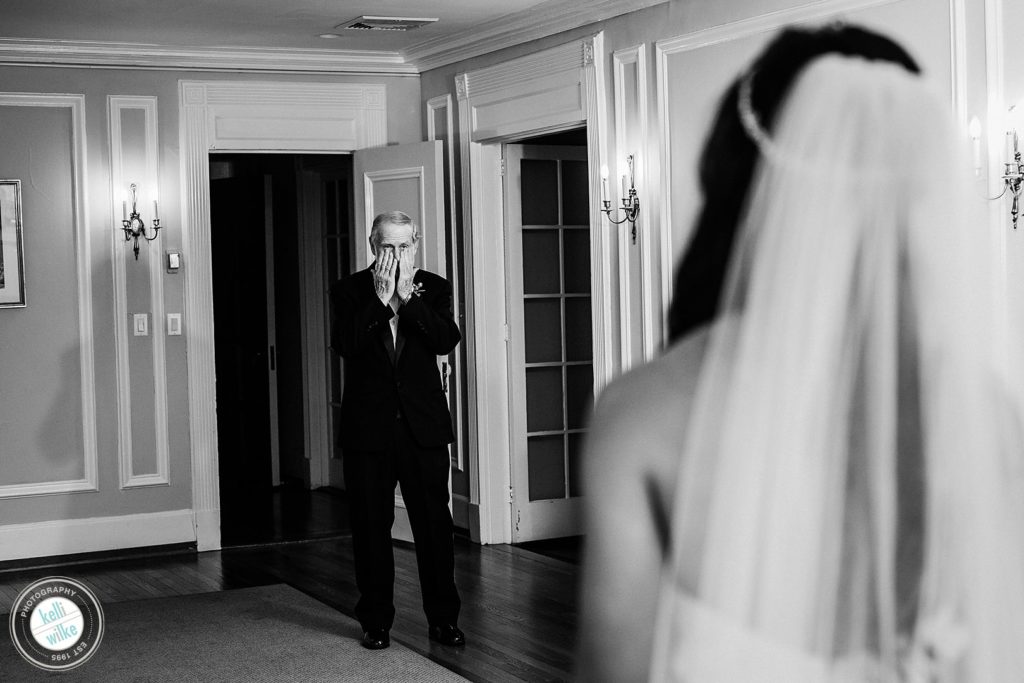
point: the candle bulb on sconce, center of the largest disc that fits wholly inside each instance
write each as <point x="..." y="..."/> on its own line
<point x="630" y="200"/>
<point x="133" y="225"/>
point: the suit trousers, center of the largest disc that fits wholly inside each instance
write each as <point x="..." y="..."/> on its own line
<point x="370" y="478"/>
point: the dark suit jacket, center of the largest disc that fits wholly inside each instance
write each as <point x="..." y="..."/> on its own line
<point x="382" y="380"/>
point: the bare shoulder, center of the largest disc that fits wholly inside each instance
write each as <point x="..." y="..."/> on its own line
<point x="640" y="418"/>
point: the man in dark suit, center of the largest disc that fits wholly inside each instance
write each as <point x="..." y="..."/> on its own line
<point x="391" y="322"/>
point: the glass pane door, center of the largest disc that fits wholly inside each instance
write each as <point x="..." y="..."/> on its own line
<point x="551" y="351"/>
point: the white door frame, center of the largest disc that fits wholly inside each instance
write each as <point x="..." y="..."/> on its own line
<point x="555" y="89"/>
<point x="249" y="116"/>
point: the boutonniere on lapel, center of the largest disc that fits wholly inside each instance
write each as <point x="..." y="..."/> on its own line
<point x="417" y="288"/>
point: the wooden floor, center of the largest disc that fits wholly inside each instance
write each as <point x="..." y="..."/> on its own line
<point x="519" y="606"/>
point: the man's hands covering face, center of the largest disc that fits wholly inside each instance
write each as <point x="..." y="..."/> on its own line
<point x="390" y="268"/>
<point x="384" y="275"/>
<point x="406" y="272"/>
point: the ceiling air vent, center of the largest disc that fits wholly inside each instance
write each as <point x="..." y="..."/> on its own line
<point x="366" y="23"/>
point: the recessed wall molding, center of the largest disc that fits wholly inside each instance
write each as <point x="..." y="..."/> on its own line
<point x="440" y="109"/>
<point x="476" y="434"/>
<point x="83" y="266"/>
<point x="359" y="111"/>
<point x="629" y="65"/>
<point x="995" y="82"/>
<point x="124" y="171"/>
<point x="958" y="58"/>
<point x="594" y="104"/>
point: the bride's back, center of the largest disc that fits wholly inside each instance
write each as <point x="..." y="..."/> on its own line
<point x="823" y="521"/>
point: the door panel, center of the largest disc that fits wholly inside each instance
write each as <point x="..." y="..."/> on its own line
<point x="403" y="178"/>
<point x="406" y="178"/>
<point x="550" y="348"/>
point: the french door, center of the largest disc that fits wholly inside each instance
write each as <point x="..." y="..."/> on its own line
<point x="550" y="347"/>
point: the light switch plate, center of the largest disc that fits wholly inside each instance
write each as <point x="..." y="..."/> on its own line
<point x="173" y="261"/>
<point x="140" y="324"/>
<point x="173" y="324"/>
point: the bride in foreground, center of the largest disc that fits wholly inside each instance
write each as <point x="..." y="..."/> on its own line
<point x="820" y="481"/>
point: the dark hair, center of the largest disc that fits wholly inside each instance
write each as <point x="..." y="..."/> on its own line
<point x="729" y="156"/>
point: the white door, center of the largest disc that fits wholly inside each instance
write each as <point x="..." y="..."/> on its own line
<point x="404" y="178"/>
<point x="550" y="350"/>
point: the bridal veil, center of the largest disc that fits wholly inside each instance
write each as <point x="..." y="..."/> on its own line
<point x="849" y="496"/>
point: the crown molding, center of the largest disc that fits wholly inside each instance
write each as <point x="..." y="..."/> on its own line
<point x="15" y="51"/>
<point x="546" y="19"/>
<point x="541" y="21"/>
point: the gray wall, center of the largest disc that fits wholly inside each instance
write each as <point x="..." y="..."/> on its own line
<point x="40" y="406"/>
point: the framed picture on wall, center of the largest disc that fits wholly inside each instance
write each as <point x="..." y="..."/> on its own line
<point x="12" y="258"/>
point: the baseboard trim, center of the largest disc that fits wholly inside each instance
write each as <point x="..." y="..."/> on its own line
<point x="73" y="536"/>
<point x="474" y="522"/>
<point x="460" y="511"/>
<point x="99" y="557"/>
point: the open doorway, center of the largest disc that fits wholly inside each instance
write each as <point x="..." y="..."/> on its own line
<point x="550" y="347"/>
<point x="266" y="408"/>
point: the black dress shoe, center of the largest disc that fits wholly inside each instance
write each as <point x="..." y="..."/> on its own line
<point x="376" y="639"/>
<point x="447" y="634"/>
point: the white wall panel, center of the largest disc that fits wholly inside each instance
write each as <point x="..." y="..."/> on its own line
<point x="79" y="360"/>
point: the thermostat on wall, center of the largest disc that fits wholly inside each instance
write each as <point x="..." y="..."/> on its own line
<point x="173" y="261"/>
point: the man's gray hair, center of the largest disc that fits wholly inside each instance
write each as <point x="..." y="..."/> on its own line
<point x="394" y="218"/>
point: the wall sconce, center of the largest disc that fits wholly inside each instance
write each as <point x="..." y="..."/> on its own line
<point x="630" y="202"/>
<point x="1013" y="175"/>
<point x="132" y="224"/>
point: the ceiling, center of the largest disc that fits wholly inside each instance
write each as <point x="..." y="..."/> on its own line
<point x="160" y="26"/>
